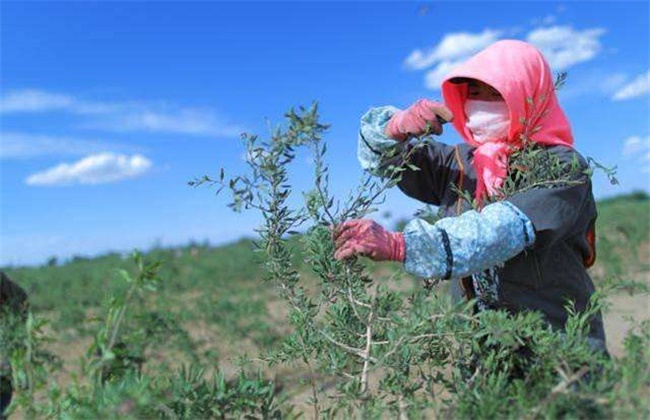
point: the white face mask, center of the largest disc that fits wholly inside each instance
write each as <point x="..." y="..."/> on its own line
<point x="487" y="120"/>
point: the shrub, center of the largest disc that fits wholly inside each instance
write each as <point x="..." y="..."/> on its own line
<point x="401" y="351"/>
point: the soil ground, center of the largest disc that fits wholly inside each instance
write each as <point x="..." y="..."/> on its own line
<point x="624" y="312"/>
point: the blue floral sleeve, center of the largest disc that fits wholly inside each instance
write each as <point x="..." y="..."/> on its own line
<point x="373" y="143"/>
<point x="459" y="246"/>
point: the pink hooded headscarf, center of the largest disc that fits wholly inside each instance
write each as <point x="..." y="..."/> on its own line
<point x="522" y="76"/>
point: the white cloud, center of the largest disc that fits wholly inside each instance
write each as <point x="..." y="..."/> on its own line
<point x="21" y="146"/>
<point x="636" y="145"/>
<point x="453" y="47"/>
<point x="91" y="170"/>
<point x="184" y="121"/>
<point x="638" y="87"/>
<point x="30" y="100"/>
<point x="433" y="78"/>
<point x="612" y="82"/>
<point x="564" y="46"/>
<point x="122" y="116"/>
<point x="592" y="82"/>
<point x="638" y="148"/>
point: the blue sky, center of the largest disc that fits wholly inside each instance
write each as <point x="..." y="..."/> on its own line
<point x="108" y="108"/>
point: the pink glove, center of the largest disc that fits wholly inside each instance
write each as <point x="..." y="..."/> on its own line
<point x="414" y="121"/>
<point x="367" y="238"/>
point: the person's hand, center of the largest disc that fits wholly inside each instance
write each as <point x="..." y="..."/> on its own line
<point x="424" y="116"/>
<point x="366" y="237"/>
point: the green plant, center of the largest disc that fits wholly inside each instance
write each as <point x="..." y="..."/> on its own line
<point x="24" y="356"/>
<point x="116" y="378"/>
<point x="386" y="349"/>
<point x="369" y="339"/>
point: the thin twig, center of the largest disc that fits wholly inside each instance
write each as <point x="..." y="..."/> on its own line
<point x="357" y="352"/>
<point x="353" y="302"/>
<point x="394" y="349"/>
<point x="560" y="388"/>
<point x="312" y="381"/>
<point x="322" y="193"/>
<point x="357" y="302"/>
<point x="403" y="407"/>
<point x="366" y="363"/>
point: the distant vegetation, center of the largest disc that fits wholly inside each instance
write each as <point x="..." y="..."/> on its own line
<point x="212" y="308"/>
<point x="230" y="273"/>
<point x="623" y="233"/>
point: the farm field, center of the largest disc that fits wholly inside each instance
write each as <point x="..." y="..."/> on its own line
<point x="213" y="210"/>
<point x="212" y="309"/>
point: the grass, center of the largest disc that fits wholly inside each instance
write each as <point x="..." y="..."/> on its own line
<point x="220" y="285"/>
<point x="623" y="229"/>
<point x="212" y="308"/>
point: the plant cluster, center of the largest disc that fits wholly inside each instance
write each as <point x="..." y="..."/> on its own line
<point x="402" y="351"/>
<point x="371" y="341"/>
<point x="112" y="381"/>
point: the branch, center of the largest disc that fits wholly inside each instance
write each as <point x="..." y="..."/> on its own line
<point x="560" y="388"/>
<point x="351" y="350"/>
<point x="366" y="364"/>
<point x="354" y="302"/>
<point x="312" y="377"/>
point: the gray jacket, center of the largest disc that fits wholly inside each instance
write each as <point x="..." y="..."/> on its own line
<point x="12" y="296"/>
<point x="551" y="273"/>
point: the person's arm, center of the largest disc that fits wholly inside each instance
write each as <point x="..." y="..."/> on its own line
<point x="456" y="247"/>
<point x="437" y="163"/>
<point x="535" y="218"/>
<point x="452" y="247"/>
<point x="545" y="215"/>
<point x="374" y="145"/>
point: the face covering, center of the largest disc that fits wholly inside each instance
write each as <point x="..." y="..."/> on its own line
<point x="487" y="120"/>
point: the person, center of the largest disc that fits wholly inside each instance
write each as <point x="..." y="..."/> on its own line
<point x="524" y="250"/>
<point x="13" y="305"/>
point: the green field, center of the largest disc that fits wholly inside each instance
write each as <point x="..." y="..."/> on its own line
<point x="212" y="309"/>
<point x="226" y="278"/>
